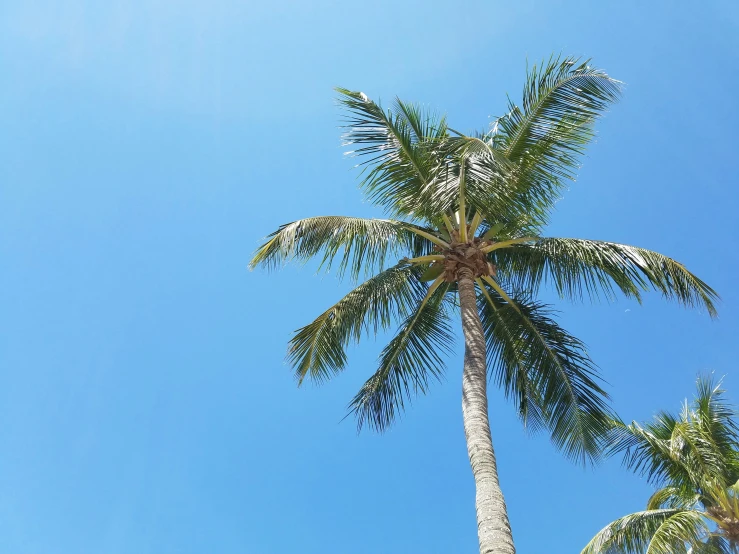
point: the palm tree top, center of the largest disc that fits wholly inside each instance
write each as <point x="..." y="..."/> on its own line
<point x="473" y="207"/>
<point x="505" y="181"/>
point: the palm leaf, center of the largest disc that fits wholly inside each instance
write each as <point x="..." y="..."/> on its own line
<point x="547" y="372"/>
<point x="318" y="349"/>
<point x="546" y="137"/>
<point x="678" y="532"/>
<point x="699" y="456"/>
<point x="634" y="533"/>
<point x="407" y="364"/>
<point x="714" y="416"/>
<point x="650" y="450"/>
<point x="578" y="267"/>
<point x="425" y="124"/>
<point x="360" y="245"/>
<point x="399" y="146"/>
<point x="508" y="359"/>
<point x="673" y="497"/>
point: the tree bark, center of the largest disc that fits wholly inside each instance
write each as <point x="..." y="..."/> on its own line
<point x="493" y="528"/>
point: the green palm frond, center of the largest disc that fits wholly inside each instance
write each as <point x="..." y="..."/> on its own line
<point x="695" y="451"/>
<point x="699" y="456"/>
<point x="546" y="137"/>
<point x="425" y="124"/>
<point x="408" y="362"/>
<point x="360" y="245"/>
<point x="650" y="450"/>
<point x="547" y="372"/>
<point x="678" y="532"/>
<point x="673" y="497"/>
<point x="403" y="165"/>
<point x="650" y="532"/>
<point x="508" y="358"/>
<point x="714" y="416"/>
<point x="577" y="267"/>
<point x="318" y="349"/>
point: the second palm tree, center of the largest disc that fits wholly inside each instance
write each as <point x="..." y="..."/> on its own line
<point x="694" y="458"/>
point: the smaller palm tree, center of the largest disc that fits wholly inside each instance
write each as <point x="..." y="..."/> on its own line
<point x="694" y="459"/>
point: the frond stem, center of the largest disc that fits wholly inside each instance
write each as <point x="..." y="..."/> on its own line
<point x="501" y="292"/>
<point x="506" y="243"/>
<point x="462" y="207"/>
<point x="432" y="289"/>
<point x="448" y="223"/>
<point x="425" y="259"/>
<point x="436" y="240"/>
<point x="476" y="220"/>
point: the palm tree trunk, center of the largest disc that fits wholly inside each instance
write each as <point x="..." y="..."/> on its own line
<point x="493" y="528"/>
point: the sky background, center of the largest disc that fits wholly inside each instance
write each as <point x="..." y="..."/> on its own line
<point x="146" y="147"/>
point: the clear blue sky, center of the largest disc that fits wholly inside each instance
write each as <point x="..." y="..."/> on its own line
<point x="146" y="147"/>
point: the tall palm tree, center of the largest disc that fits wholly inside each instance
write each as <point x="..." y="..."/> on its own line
<point x="466" y="219"/>
<point x="694" y="459"/>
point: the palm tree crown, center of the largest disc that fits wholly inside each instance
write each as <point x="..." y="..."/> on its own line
<point x="479" y="202"/>
<point x="693" y="458"/>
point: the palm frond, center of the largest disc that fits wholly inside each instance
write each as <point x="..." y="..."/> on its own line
<point x="711" y="438"/>
<point x="678" y="533"/>
<point x="546" y="137"/>
<point x="673" y="497"/>
<point x="547" y="372"/>
<point x="715" y="418"/>
<point x="508" y="359"/>
<point x="694" y="452"/>
<point x="427" y="125"/>
<point x="650" y="451"/>
<point x="698" y="454"/>
<point x="401" y="163"/>
<point x="318" y="349"/>
<point x="408" y="362"/>
<point x="360" y="245"/>
<point x="578" y="267"/>
<point x="634" y="533"/>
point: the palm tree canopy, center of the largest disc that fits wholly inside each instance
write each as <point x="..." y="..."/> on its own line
<point x="693" y="459"/>
<point x="478" y="202"/>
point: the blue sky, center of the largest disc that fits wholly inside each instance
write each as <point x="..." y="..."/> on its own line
<point x="145" y="149"/>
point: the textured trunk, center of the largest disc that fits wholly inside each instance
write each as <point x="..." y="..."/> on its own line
<point x="493" y="528"/>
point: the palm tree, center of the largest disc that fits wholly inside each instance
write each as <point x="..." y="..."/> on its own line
<point x="466" y="214"/>
<point x="694" y="459"/>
